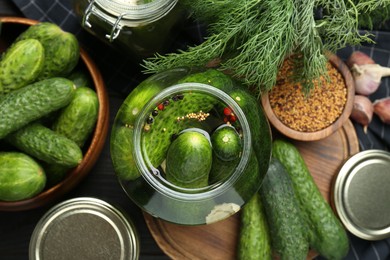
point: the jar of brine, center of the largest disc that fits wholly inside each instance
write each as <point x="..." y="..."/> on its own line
<point x="190" y="146"/>
<point x="140" y="28"/>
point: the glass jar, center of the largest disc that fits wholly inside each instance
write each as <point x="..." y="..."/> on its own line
<point x="190" y="146"/>
<point x="140" y="28"/>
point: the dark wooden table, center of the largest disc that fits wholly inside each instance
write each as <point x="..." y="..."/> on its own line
<point x="16" y="227"/>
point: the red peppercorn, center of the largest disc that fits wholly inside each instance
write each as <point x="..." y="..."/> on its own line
<point x="227" y="111"/>
<point x="160" y="106"/>
<point x="232" y="118"/>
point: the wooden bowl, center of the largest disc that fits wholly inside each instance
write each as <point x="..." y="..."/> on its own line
<point x="324" y="132"/>
<point x="11" y="28"/>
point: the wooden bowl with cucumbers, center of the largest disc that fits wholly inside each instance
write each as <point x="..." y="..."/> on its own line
<point x="54" y="113"/>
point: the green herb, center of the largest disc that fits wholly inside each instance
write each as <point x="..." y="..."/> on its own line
<point x="253" y="37"/>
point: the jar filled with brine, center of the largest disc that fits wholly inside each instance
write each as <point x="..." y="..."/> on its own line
<point x="190" y="146"/>
<point x="140" y="28"/>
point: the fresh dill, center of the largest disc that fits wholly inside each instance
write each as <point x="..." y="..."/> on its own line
<point x="253" y="37"/>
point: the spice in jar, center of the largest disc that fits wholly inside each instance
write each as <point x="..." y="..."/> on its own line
<point x="308" y="112"/>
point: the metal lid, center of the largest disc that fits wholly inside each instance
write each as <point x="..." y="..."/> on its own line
<point x="126" y="13"/>
<point x="84" y="228"/>
<point x="361" y="194"/>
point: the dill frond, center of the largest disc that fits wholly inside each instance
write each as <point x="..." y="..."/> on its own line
<point x="253" y="37"/>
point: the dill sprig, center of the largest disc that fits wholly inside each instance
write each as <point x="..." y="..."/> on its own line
<point x="253" y="37"/>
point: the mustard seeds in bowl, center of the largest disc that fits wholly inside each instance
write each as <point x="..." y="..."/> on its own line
<point x="308" y="112"/>
<point x="313" y="115"/>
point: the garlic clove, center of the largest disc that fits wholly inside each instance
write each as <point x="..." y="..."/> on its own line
<point x="367" y="78"/>
<point x="359" y="58"/>
<point x="366" y="73"/>
<point x="362" y="111"/>
<point x="382" y="109"/>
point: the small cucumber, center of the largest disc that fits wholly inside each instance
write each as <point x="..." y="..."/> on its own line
<point x="46" y="145"/>
<point x="254" y="238"/>
<point x="287" y="225"/>
<point x="77" y="120"/>
<point x="55" y="173"/>
<point x="81" y="78"/>
<point x="156" y="140"/>
<point x="188" y="160"/>
<point x="211" y="77"/>
<point x="259" y="127"/>
<point x="227" y="147"/>
<point x="121" y="149"/>
<point x="20" y="65"/>
<point x="221" y="169"/>
<point x="22" y="106"/>
<point x="327" y="235"/>
<point x="21" y="177"/>
<point x="121" y="140"/>
<point x="62" y="49"/>
<point x="226" y="143"/>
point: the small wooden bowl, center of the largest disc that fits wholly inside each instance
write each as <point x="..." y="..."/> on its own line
<point x="11" y="28"/>
<point x="325" y="132"/>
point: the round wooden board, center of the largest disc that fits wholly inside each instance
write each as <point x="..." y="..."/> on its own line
<point x="219" y="240"/>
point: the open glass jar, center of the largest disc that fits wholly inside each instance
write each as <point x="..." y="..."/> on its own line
<point x="190" y="146"/>
<point x="137" y="27"/>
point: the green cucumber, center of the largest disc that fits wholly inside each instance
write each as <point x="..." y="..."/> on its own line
<point x="227" y="147"/>
<point x="20" y="65"/>
<point x="62" y="49"/>
<point x="80" y="78"/>
<point x="46" y="145"/>
<point x="22" y="106"/>
<point x="221" y="169"/>
<point x="21" y="177"/>
<point x="55" y="173"/>
<point x="121" y="140"/>
<point x="226" y="143"/>
<point x="327" y="235"/>
<point x="121" y="150"/>
<point x="210" y="77"/>
<point x="287" y="226"/>
<point x="78" y="119"/>
<point x="188" y="161"/>
<point x="165" y="125"/>
<point x="76" y="122"/>
<point x="254" y="238"/>
<point x="258" y="124"/>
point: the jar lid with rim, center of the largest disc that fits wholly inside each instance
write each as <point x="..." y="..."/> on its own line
<point x="84" y="228"/>
<point x="135" y="10"/>
<point x="361" y="194"/>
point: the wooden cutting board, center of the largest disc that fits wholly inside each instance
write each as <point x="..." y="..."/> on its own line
<point x="219" y="240"/>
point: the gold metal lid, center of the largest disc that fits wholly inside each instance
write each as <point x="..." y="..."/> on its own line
<point x="361" y="194"/>
<point x="84" y="228"/>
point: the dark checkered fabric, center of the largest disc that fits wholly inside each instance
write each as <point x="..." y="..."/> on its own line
<point x="122" y="75"/>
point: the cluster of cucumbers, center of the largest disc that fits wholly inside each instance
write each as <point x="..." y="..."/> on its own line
<point x="289" y="216"/>
<point x="48" y="110"/>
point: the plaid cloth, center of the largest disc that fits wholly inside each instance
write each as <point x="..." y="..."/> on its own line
<point x="122" y="75"/>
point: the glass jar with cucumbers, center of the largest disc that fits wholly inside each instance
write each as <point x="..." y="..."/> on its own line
<point x="190" y="146"/>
